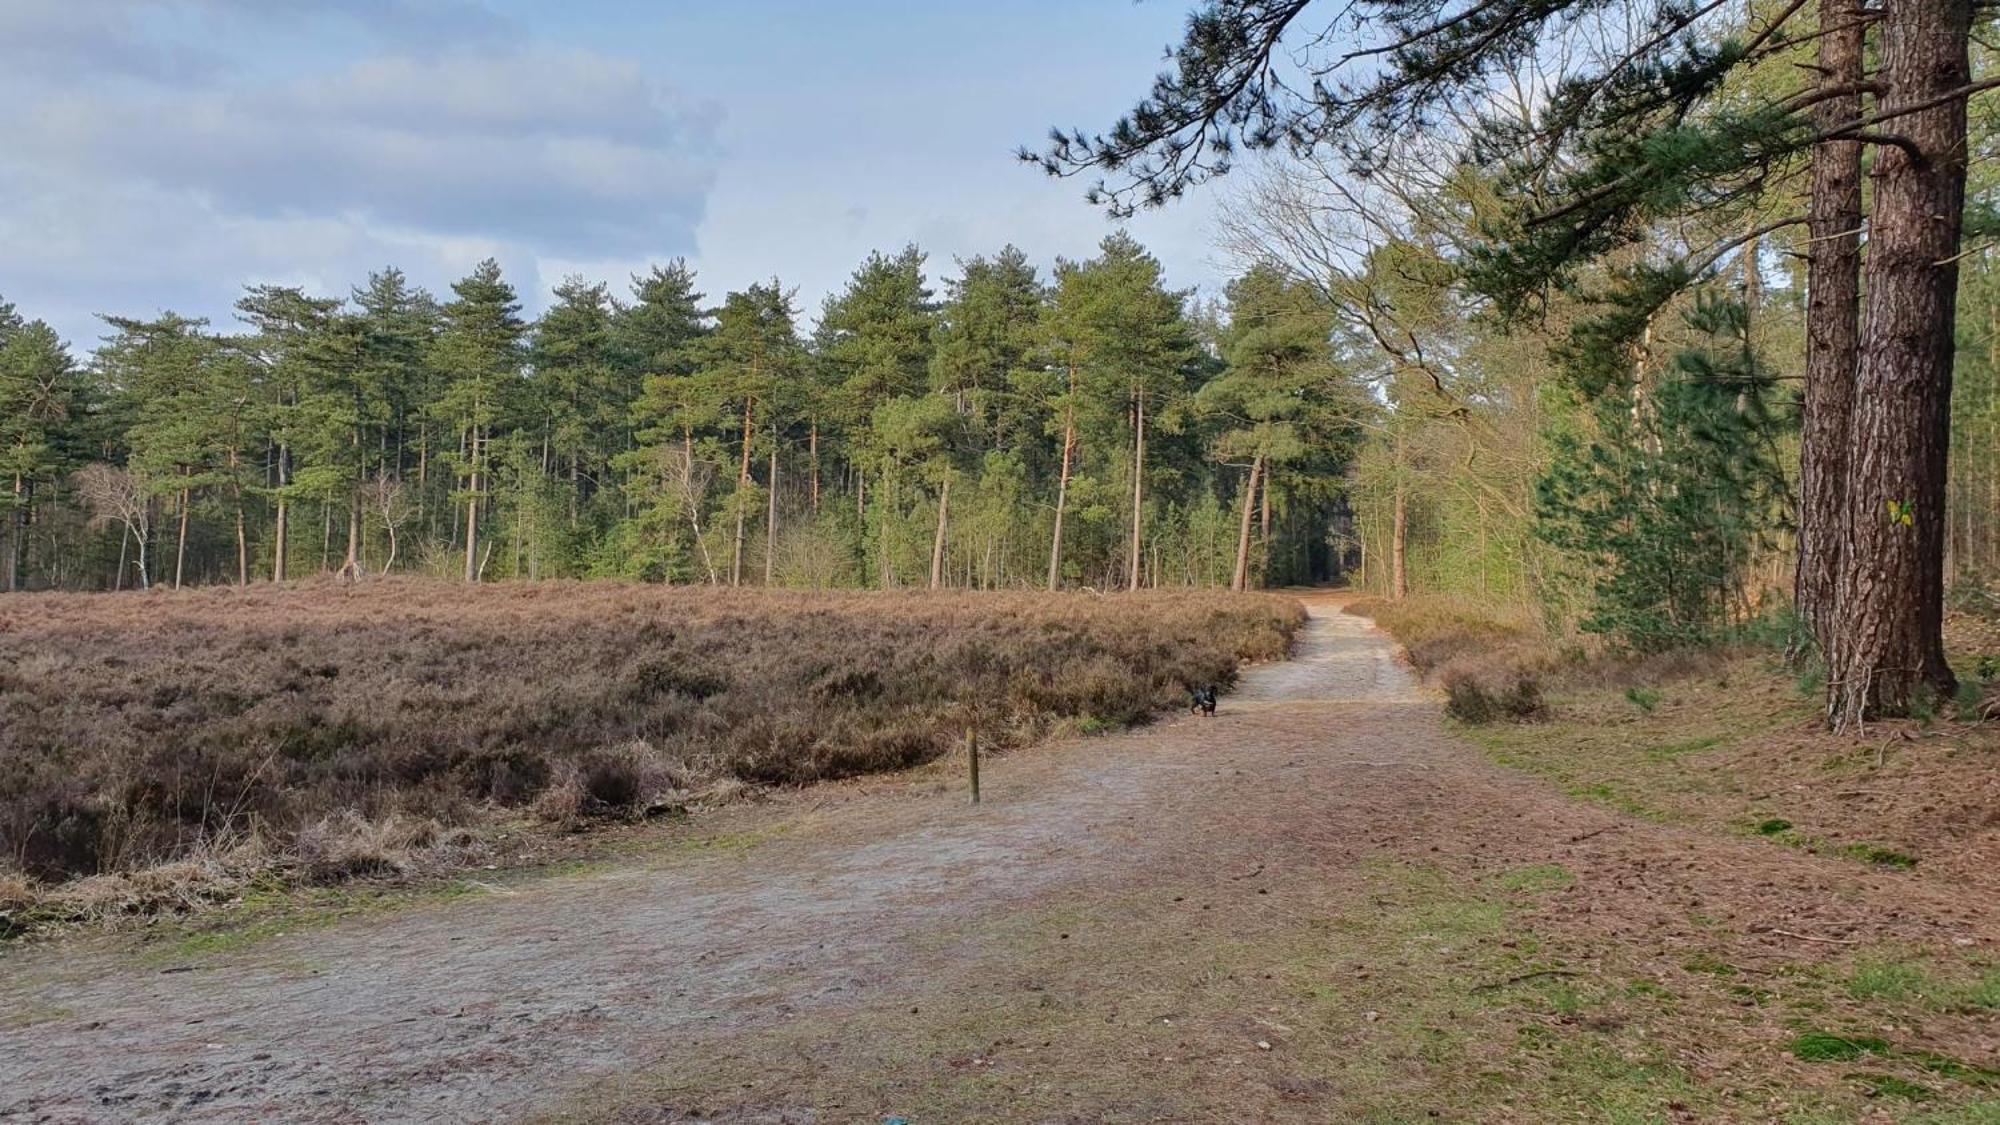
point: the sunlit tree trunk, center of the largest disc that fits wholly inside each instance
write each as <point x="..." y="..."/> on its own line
<point x="1888" y="631"/>
<point x="771" y="514"/>
<point x="181" y="537"/>
<point x="1062" y="482"/>
<point x="472" y="514"/>
<point x="742" y="486"/>
<point x="1399" y="536"/>
<point x="1138" y="485"/>
<point x="242" y="536"/>
<point x="1240" y="580"/>
<point x="937" y="544"/>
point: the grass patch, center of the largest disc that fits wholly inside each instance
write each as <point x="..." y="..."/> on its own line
<point x="1536" y="879"/>
<point x="1823" y="1046"/>
<point x="1879" y="855"/>
<point x="1890" y="1086"/>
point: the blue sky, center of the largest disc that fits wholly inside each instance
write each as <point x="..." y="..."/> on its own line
<point x="164" y="153"/>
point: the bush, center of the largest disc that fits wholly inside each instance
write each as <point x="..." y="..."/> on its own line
<point x="140" y="729"/>
<point x="1467" y="700"/>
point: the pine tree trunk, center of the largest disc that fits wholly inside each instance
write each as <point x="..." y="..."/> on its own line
<point x="281" y="523"/>
<point x="1138" y="485"/>
<point x="742" y="484"/>
<point x="1399" y="575"/>
<point x="472" y="515"/>
<point x="937" y="544"/>
<point x="242" y="536"/>
<point x="1263" y="572"/>
<point x="812" y="444"/>
<point x="1240" y="580"/>
<point x="1833" y="327"/>
<point x="16" y="526"/>
<point x="771" y="514"/>
<point x="278" y="543"/>
<point x="181" y="537"/>
<point x="1062" y="483"/>
<point x="351" y="567"/>
<point x="1888" y="631"/>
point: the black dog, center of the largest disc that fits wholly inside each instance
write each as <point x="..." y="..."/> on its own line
<point x="1202" y="701"/>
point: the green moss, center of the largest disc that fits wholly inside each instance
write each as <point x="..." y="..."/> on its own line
<point x="1822" y="1046"/>
<point x="1879" y="855"/>
<point x="1890" y="1086"/>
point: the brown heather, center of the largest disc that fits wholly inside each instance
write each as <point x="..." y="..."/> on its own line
<point x="327" y="727"/>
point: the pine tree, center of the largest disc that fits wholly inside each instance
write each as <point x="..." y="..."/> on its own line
<point x="1282" y="398"/>
<point x="40" y="390"/>
<point x="581" y="403"/>
<point x="399" y="323"/>
<point x="1132" y="349"/>
<point x="161" y="367"/>
<point x="754" y="362"/>
<point x="988" y="332"/>
<point x="478" y="353"/>
<point x="1669" y="498"/>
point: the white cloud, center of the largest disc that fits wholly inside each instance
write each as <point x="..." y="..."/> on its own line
<point x="196" y="180"/>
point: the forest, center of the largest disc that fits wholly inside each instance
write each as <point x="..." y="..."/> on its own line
<point x="1093" y="427"/>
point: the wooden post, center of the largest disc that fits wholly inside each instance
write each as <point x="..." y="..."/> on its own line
<point x="972" y="760"/>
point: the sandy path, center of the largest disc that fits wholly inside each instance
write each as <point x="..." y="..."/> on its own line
<point x="862" y="899"/>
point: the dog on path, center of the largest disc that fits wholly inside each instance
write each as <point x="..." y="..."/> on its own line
<point x="1201" y="701"/>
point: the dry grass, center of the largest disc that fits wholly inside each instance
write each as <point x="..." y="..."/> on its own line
<point x="1731" y="741"/>
<point x="1498" y="663"/>
<point x="336" y="731"/>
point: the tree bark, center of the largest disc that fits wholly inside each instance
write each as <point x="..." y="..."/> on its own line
<point x="1240" y="580"/>
<point x="1399" y="575"/>
<point x="16" y="526"/>
<point x="1833" y="327"/>
<point x="472" y="515"/>
<point x="181" y="537"/>
<point x="742" y="483"/>
<point x="1062" y="483"/>
<point x="1888" y="631"/>
<point x="242" y="536"/>
<point x="937" y="544"/>
<point x="281" y="520"/>
<point x="771" y="513"/>
<point x="1138" y="485"/>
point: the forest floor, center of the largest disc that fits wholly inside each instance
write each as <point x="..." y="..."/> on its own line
<point x="1325" y="904"/>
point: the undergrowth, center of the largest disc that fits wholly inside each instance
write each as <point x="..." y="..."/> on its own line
<point x="335" y="732"/>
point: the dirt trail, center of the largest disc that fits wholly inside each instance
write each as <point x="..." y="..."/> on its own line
<point x="830" y="968"/>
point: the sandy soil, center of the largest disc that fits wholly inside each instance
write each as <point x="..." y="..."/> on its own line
<point x="886" y="949"/>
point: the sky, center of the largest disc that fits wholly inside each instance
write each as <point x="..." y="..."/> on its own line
<point x="163" y="154"/>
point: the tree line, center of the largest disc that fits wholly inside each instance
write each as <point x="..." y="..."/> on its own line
<point x="1559" y="220"/>
<point x="1089" y="427"/>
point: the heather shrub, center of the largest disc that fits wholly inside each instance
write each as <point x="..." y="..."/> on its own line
<point x="340" y="725"/>
<point x="1517" y="697"/>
